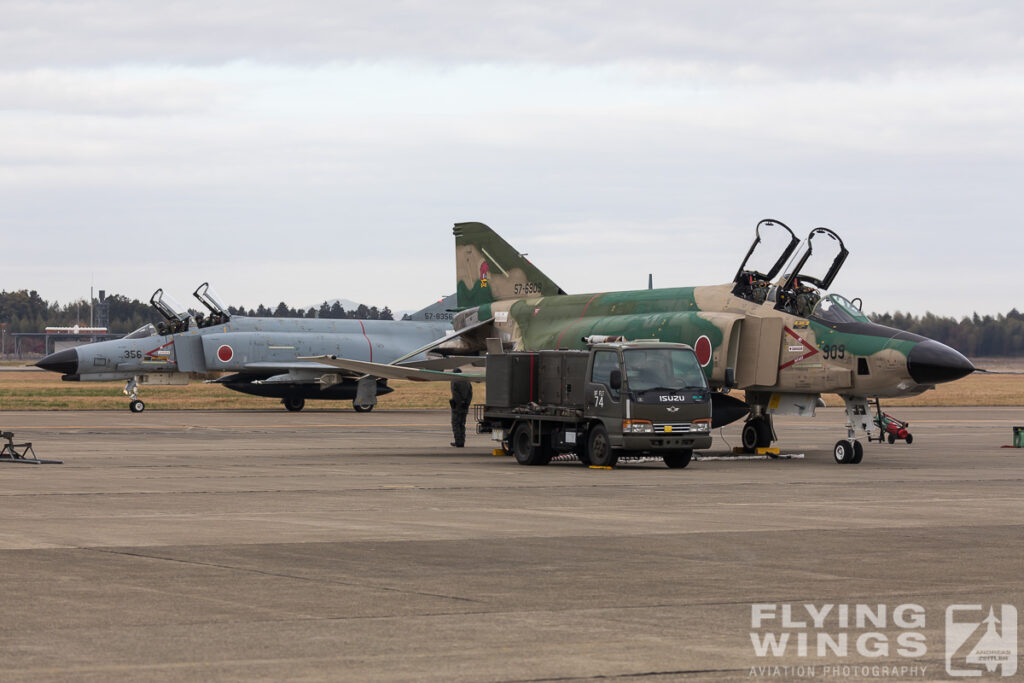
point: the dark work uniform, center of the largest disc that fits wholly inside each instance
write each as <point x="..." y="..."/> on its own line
<point x="462" y="396"/>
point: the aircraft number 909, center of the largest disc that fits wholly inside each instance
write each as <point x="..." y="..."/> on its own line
<point x="133" y="354"/>
<point x="832" y="351"/>
<point x="524" y="288"/>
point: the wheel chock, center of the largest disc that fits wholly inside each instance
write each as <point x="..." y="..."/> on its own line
<point x="499" y="451"/>
<point x="738" y="450"/>
<point x="599" y="467"/>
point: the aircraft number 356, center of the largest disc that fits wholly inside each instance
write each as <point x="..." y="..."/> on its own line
<point x="133" y="354"/>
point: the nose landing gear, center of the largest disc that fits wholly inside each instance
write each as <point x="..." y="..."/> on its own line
<point x="858" y="417"/>
<point x="848" y="451"/>
<point x="131" y="390"/>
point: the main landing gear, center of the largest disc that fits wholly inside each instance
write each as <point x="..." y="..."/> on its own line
<point x="757" y="433"/>
<point x="293" y="404"/>
<point x="131" y="390"/>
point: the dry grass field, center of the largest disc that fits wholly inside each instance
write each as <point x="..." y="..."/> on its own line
<point x="35" y="390"/>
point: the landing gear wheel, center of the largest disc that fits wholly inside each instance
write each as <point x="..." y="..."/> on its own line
<point x="136" y="406"/>
<point x="910" y="439"/>
<point x="843" y="452"/>
<point x="892" y="438"/>
<point x="361" y="409"/>
<point x="858" y="453"/>
<point x="600" y="448"/>
<point x="523" y="448"/>
<point x="679" y="459"/>
<point x="294" y="404"/>
<point x="756" y="434"/>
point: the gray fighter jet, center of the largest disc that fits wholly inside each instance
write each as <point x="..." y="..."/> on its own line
<point x="262" y="354"/>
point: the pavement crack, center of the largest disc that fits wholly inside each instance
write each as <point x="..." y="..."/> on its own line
<point x="282" y="575"/>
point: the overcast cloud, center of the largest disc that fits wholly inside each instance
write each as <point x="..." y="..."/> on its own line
<point x="302" y="151"/>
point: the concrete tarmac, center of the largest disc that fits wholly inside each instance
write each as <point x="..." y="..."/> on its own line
<point x="342" y="546"/>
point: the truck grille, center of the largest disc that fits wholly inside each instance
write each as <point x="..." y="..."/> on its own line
<point x="677" y="427"/>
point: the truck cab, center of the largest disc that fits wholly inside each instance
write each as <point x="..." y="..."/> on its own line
<point x="645" y="397"/>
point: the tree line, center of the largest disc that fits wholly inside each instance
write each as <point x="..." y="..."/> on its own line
<point x="25" y="311"/>
<point x="975" y="336"/>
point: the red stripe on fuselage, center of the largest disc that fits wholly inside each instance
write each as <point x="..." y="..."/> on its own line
<point x="558" y="343"/>
<point x="368" y="343"/>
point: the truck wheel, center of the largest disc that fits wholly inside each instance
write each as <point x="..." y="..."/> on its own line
<point x="293" y="404"/>
<point x="679" y="459"/>
<point x="600" y="448"/>
<point x="522" y="446"/>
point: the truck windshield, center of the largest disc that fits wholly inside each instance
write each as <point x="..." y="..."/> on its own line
<point x="671" y="369"/>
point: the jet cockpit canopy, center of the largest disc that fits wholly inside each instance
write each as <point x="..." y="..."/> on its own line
<point x="836" y="308"/>
<point x="213" y="303"/>
<point x="174" y="313"/>
<point x="754" y="277"/>
<point x="799" y="294"/>
<point x="147" y="330"/>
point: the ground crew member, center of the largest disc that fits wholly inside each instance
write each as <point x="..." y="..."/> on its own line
<point x="462" y="396"/>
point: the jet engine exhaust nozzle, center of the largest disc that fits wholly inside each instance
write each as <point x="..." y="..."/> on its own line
<point x="64" y="362"/>
<point x="930" y="362"/>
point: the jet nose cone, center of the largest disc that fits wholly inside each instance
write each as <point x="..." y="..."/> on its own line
<point x="726" y="409"/>
<point x="64" y="362"/>
<point x="931" y="363"/>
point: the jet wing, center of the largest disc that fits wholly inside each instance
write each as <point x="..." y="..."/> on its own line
<point x="446" y="363"/>
<point x="442" y="340"/>
<point x="363" y="367"/>
<point x="286" y="366"/>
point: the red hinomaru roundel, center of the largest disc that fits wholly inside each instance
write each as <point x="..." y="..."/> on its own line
<point x="225" y="353"/>
<point x="702" y="347"/>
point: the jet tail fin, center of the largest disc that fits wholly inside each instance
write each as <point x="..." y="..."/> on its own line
<point x="489" y="269"/>
<point x="440" y="310"/>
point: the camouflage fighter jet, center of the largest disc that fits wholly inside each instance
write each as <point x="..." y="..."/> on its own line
<point x="261" y="353"/>
<point x="784" y="341"/>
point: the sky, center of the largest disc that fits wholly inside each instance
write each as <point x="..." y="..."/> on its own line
<point x="308" y="150"/>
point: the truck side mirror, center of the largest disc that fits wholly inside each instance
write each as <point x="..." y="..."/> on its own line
<point x="615" y="380"/>
<point x="730" y="378"/>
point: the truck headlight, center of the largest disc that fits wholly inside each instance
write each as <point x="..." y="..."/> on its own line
<point x="702" y="425"/>
<point x="637" y="427"/>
